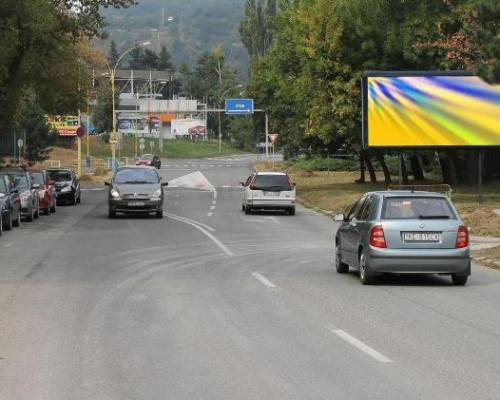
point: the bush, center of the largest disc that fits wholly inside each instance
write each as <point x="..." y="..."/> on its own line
<point x="318" y="163"/>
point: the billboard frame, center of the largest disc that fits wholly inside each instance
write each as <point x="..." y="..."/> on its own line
<point x="417" y="74"/>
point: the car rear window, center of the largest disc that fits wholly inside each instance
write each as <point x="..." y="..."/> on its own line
<point x="417" y="208"/>
<point x="272" y="182"/>
<point x="38" y="178"/>
<point x="60" y="176"/>
<point x="21" y="181"/>
<point x="136" y="176"/>
<point x="147" y="157"/>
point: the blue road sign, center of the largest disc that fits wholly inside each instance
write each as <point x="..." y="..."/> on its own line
<point x="239" y="106"/>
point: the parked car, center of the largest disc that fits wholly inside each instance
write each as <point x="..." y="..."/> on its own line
<point x="67" y="185"/>
<point x="46" y="190"/>
<point x="403" y="232"/>
<point x="11" y="202"/>
<point x="28" y="193"/>
<point x="136" y="190"/>
<point x="268" y="191"/>
<point x="149" y="160"/>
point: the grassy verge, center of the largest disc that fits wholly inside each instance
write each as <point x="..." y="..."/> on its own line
<point x="335" y="191"/>
<point x="489" y="257"/>
<point x="171" y="148"/>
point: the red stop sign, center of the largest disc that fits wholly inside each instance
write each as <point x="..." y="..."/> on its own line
<point x="80" y="132"/>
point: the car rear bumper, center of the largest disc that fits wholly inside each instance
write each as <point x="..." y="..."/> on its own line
<point x="124" y="206"/>
<point x="442" y="261"/>
<point x="65" y="196"/>
<point x="273" y="204"/>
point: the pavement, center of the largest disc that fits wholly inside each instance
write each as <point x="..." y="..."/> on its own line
<point x="210" y="303"/>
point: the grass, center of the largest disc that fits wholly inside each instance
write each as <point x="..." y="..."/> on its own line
<point x="336" y="191"/>
<point x="489" y="257"/>
<point x="171" y="148"/>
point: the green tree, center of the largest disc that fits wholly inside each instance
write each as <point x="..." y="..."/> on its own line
<point x="165" y="60"/>
<point x="136" y="58"/>
<point x="113" y="53"/>
<point x="150" y="59"/>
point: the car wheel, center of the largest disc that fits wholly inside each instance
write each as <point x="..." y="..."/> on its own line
<point x="30" y="217"/>
<point x="37" y="212"/>
<point x="79" y="199"/>
<point x="159" y="214"/>
<point x="8" y="223"/>
<point x="364" y="270"/>
<point x="341" y="267"/>
<point x="248" y="210"/>
<point x="17" y="221"/>
<point x="1" y="224"/>
<point x="291" y="211"/>
<point x="242" y="207"/>
<point x="111" y="213"/>
<point x="53" y="208"/>
<point x="459" y="280"/>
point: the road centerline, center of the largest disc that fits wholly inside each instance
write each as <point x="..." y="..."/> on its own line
<point x="358" y="344"/>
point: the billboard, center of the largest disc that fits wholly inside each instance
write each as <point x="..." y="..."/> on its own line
<point x="64" y="125"/>
<point x="188" y="127"/>
<point x="429" y="110"/>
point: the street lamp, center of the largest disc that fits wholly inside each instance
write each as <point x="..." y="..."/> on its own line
<point x="112" y="73"/>
<point x="220" y="101"/>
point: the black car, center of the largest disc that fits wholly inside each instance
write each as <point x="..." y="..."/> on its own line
<point x="67" y="185"/>
<point x="136" y="190"/>
<point x="10" y="202"/>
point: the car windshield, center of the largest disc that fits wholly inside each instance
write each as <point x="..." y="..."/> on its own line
<point x="38" y="178"/>
<point x="147" y="157"/>
<point x="21" y="181"/>
<point x="60" y="176"/>
<point x="136" y="176"/>
<point x="272" y="182"/>
<point x="417" y="208"/>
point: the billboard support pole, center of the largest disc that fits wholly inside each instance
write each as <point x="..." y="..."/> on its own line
<point x="480" y="177"/>
<point x="400" y="168"/>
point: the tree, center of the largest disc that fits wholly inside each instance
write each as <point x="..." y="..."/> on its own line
<point x="113" y="53"/>
<point x="256" y="28"/>
<point x="136" y="58"/>
<point x="150" y="59"/>
<point x="165" y="60"/>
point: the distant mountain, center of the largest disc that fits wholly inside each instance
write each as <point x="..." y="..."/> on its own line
<point x="197" y="26"/>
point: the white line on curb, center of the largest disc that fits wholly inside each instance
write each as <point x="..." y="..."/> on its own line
<point x="360" y="345"/>
<point x="210" y="214"/>
<point x="212" y="207"/>
<point x="262" y="279"/>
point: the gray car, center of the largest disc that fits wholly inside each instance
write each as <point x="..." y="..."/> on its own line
<point x="403" y="232"/>
<point x="136" y="190"/>
<point x="28" y="193"/>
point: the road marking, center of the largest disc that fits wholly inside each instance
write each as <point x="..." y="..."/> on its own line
<point x="212" y="207"/>
<point x="199" y="226"/>
<point x="208" y="228"/>
<point x="360" y="345"/>
<point x="8" y="245"/>
<point x="210" y="214"/>
<point x="262" y="279"/>
<point x="214" y="202"/>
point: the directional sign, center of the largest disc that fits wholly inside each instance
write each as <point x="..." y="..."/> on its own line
<point x="80" y="132"/>
<point x="273" y="137"/>
<point x="239" y="106"/>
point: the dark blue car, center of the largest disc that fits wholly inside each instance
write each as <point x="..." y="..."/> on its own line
<point x="10" y="202"/>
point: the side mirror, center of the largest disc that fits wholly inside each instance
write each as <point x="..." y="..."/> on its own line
<point x="339" y="218"/>
<point x="242" y="183"/>
<point x="164" y="184"/>
<point x="107" y="184"/>
<point x="35" y="186"/>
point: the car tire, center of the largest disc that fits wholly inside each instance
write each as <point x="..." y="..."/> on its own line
<point x="8" y="223"/>
<point x="341" y="267"/>
<point x="17" y="221"/>
<point x="242" y="207"/>
<point x="37" y="212"/>
<point x="364" y="270"/>
<point x="159" y="214"/>
<point x="459" y="280"/>
<point x="52" y="209"/>
<point x="79" y="199"/>
<point x="1" y="224"/>
<point x="31" y="217"/>
<point x="248" y="210"/>
<point x="291" y="211"/>
<point x="111" y="214"/>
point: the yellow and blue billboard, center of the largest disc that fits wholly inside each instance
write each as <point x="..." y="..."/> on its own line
<point x="429" y="110"/>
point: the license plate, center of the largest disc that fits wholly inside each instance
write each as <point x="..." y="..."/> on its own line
<point x="136" y="204"/>
<point x="271" y="193"/>
<point x="422" y="237"/>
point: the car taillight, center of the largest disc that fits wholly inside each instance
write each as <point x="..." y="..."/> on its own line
<point x="462" y="237"/>
<point x="377" y="238"/>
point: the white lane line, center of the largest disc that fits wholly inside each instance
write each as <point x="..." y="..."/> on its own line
<point x="212" y="207"/>
<point x="214" y="202"/>
<point x="196" y="225"/>
<point x="210" y="214"/>
<point x="7" y="245"/>
<point x="262" y="279"/>
<point x="208" y="228"/>
<point x="360" y="345"/>
<point x="215" y="194"/>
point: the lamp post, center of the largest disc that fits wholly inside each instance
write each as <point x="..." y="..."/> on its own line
<point x="112" y="73"/>
<point x="220" y="101"/>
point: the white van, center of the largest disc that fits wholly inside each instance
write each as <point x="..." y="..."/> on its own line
<point x="268" y="191"/>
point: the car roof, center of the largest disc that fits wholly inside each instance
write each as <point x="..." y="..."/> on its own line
<point x="270" y="173"/>
<point x="136" y="167"/>
<point x="59" y="169"/>
<point x="406" y="193"/>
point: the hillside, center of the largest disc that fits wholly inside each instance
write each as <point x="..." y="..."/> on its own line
<point x="198" y="25"/>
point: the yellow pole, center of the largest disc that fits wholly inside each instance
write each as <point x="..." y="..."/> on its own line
<point x="79" y="169"/>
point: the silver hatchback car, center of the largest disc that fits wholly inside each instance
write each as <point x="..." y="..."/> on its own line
<point x="403" y="232"/>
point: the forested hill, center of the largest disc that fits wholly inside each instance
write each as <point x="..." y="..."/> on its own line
<point x="198" y="26"/>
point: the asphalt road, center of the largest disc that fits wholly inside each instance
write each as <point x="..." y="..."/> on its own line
<point x="210" y="303"/>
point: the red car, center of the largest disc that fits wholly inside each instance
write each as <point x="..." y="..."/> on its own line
<point x="149" y="160"/>
<point x="46" y="191"/>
